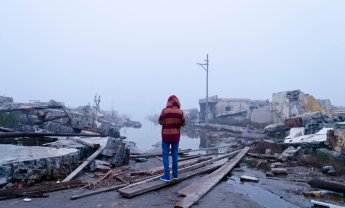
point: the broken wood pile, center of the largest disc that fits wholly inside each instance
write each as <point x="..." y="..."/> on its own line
<point x="38" y="190"/>
<point x="150" y="155"/>
<point x="185" y="173"/>
<point x="160" y="169"/>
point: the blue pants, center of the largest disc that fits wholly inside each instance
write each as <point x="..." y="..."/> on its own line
<point x="174" y="153"/>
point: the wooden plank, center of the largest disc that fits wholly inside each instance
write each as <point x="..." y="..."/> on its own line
<point x="263" y="156"/>
<point x="180" y="152"/>
<point x="192" y="167"/>
<point x="41" y="188"/>
<point x="324" y="204"/>
<point x="141" y="188"/>
<point x="112" y="188"/>
<point x="155" y="183"/>
<point x="191" y="188"/>
<point x="83" y="165"/>
<point x="213" y="179"/>
<point x="160" y="169"/>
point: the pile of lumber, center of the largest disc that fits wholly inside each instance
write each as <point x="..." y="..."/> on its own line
<point x="38" y="190"/>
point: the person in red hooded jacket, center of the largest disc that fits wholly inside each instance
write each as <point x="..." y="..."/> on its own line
<point x="171" y="119"/>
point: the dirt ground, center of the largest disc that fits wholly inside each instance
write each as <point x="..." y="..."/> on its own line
<point x="228" y="193"/>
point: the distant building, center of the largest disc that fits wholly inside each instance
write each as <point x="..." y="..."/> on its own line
<point x="236" y="110"/>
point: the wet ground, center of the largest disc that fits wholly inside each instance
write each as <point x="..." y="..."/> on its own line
<point x="277" y="192"/>
<point x="228" y="193"/>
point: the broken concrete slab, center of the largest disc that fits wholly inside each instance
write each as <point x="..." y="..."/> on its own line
<point x="99" y="165"/>
<point x="249" y="178"/>
<point x="277" y="165"/>
<point x="336" y="140"/>
<point x="329" y="170"/>
<point x="35" y="163"/>
<point x="279" y="171"/>
<point x="289" y="153"/>
<point x="317" y="138"/>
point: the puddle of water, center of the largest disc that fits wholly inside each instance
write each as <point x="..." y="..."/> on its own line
<point x="150" y="134"/>
<point x="259" y="195"/>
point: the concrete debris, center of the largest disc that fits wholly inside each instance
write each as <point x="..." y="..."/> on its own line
<point x="336" y="140"/>
<point x="23" y="163"/>
<point x="289" y="153"/>
<point x="4" y="101"/>
<point x="277" y="165"/>
<point x="293" y="103"/>
<point x="236" y="110"/>
<point x="249" y="178"/>
<point x="55" y="117"/>
<point x="319" y="137"/>
<point x="279" y="171"/>
<point x="329" y="170"/>
<point x="275" y="130"/>
<point x="100" y="165"/>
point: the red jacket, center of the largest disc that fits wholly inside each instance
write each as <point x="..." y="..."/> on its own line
<point x="171" y="119"/>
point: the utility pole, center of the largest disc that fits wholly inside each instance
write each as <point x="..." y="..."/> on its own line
<point x="205" y="66"/>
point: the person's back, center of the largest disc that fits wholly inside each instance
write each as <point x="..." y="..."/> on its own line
<point x="171" y="119"/>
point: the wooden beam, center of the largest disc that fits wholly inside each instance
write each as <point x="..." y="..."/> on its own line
<point x="141" y="188"/>
<point x="160" y="169"/>
<point x="41" y="188"/>
<point x="180" y="152"/>
<point x="112" y="188"/>
<point x="263" y="156"/>
<point x="84" y="164"/>
<point x="192" y="167"/>
<point x="213" y="179"/>
<point x="191" y="188"/>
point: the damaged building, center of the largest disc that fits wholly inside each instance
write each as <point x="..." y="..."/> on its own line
<point x="293" y="103"/>
<point x="236" y="111"/>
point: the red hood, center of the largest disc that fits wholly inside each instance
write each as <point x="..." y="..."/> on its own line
<point x="173" y="101"/>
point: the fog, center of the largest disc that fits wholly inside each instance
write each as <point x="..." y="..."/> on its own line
<point x="137" y="53"/>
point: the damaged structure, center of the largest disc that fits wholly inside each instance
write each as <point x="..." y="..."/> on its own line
<point x="236" y="111"/>
<point x="32" y="158"/>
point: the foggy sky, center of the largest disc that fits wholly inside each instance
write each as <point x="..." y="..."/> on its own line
<point x="137" y="53"/>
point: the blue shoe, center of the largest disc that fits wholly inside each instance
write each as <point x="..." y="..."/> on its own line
<point x="165" y="179"/>
<point x="175" y="178"/>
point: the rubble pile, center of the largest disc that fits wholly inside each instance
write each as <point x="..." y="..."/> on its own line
<point x="91" y="130"/>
